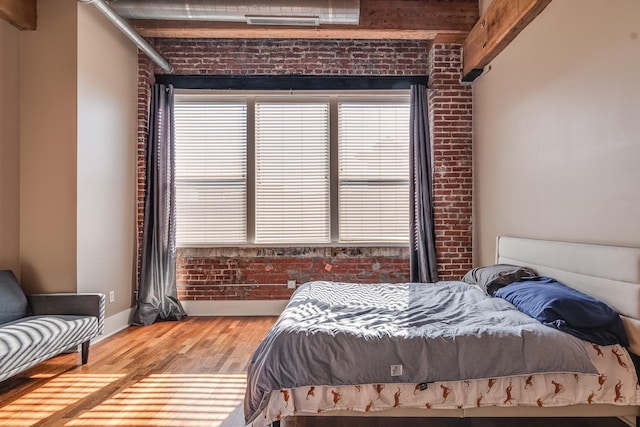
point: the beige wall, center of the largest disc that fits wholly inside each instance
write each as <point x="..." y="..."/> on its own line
<point x="78" y="118"/>
<point x="557" y="130"/>
<point x="484" y="4"/>
<point x="107" y="121"/>
<point x="48" y="149"/>
<point x="9" y="148"/>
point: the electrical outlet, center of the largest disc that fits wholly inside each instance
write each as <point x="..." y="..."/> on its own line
<point x="112" y="296"/>
<point x="291" y="284"/>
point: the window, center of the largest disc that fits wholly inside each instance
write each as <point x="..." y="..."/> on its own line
<point x="373" y="144"/>
<point x="292" y="172"/>
<point x="211" y="172"/>
<point x="274" y="168"/>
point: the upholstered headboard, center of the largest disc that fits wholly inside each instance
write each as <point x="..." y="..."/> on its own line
<point x="609" y="273"/>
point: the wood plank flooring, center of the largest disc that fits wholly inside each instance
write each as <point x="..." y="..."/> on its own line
<point x="189" y="373"/>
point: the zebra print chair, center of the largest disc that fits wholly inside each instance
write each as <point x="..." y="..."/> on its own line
<point x="34" y="328"/>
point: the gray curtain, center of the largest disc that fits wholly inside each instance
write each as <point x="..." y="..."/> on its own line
<point x="424" y="266"/>
<point x="157" y="293"/>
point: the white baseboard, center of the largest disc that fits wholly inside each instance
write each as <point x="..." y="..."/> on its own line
<point x="234" y="308"/>
<point x="122" y="320"/>
<point x="115" y="323"/>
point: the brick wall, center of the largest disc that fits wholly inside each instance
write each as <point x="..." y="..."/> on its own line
<point x="261" y="273"/>
<point x="205" y="274"/>
<point x="328" y="57"/>
<point x="145" y="80"/>
<point x="450" y="109"/>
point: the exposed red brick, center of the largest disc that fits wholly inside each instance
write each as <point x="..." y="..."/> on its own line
<point x="262" y="273"/>
<point x="450" y="110"/>
<point x="230" y="273"/>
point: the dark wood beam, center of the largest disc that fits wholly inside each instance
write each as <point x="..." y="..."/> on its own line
<point x="498" y="26"/>
<point x="379" y="19"/>
<point x="289" y="82"/>
<point x="19" y="13"/>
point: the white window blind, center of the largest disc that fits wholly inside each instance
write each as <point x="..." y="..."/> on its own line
<point x="292" y="193"/>
<point x="373" y="146"/>
<point x="211" y="170"/>
<point x="292" y="172"/>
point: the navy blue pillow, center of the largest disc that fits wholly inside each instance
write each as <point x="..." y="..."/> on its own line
<point x="564" y="308"/>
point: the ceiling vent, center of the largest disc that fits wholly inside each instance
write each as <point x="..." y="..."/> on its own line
<point x="311" y="21"/>
<point x="264" y="12"/>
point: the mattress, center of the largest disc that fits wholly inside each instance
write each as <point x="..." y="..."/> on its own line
<point x="615" y="384"/>
<point x="371" y="347"/>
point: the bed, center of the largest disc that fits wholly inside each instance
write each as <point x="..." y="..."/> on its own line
<point x="608" y="386"/>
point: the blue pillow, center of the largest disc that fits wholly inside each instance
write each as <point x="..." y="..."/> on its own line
<point x="13" y="301"/>
<point x="564" y="308"/>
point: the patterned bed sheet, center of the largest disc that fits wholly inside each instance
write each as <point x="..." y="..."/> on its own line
<point x="616" y="384"/>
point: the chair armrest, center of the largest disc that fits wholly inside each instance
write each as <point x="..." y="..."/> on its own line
<point x="69" y="304"/>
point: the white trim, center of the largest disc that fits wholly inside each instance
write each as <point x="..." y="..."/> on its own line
<point x="114" y="324"/>
<point x="234" y="308"/>
<point x="119" y="321"/>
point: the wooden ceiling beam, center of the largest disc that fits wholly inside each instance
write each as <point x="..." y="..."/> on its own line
<point x="379" y="19"/>
<point x="498" y="26"/>
<point x="22" y="14"/>
<point x="208" y="30"/>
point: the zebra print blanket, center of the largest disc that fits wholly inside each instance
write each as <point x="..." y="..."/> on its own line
<point x="341" y="334"/>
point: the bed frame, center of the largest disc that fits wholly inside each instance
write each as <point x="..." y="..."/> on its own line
<point x="609" y="273"/>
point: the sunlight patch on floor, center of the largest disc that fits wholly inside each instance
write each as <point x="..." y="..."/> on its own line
<point x="172" y="400"/>
<point x="55" y="395"/>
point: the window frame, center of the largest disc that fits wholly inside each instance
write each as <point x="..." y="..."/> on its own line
<point x="335" y="96"/>
<point x="375" y="182"/>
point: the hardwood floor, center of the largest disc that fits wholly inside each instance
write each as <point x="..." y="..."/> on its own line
<point x="189" y="373"/>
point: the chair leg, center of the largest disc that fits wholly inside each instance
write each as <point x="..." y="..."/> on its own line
<point x="85" y="352"/>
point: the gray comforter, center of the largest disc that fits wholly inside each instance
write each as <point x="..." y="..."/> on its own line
<point x="338" y="333"/>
